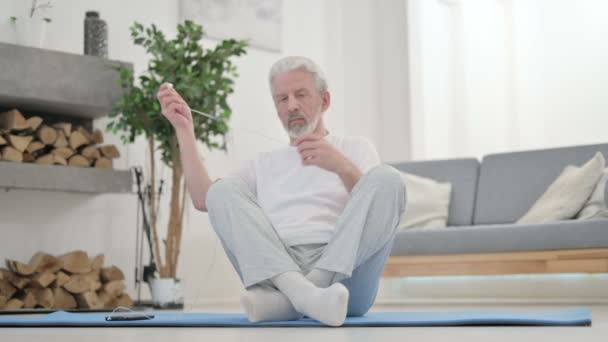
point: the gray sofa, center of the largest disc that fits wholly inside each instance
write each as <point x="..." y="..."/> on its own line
<point x="488" y="197"/>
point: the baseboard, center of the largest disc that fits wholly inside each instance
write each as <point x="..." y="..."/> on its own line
<point x="583" y="289"/>
<point x="214" y="302"/>
<point x="234" y="303"/>
<point x="490" y="301"/>
<point x="572" y="288"/>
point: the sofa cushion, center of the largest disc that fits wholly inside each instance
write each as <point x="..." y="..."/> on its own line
<point x="567" y="195"/>
<point x="498" y="238"/>
<point x="427" y="204"/>
<point x="510" y="183"/>
<point x="596" y="206"/>
<point x="461" y="173"/>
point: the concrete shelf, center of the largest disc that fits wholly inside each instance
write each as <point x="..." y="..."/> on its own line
<point x="64" y="178"/>
<point x="60" y="86"/>
<point x="58" y="82"/>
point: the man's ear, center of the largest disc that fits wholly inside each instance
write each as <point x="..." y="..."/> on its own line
<point x="325" y="101"/>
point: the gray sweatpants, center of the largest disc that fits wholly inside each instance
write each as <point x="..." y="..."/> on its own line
<point x="357" y="251"/>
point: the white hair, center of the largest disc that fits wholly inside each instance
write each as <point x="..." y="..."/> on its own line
<point x="292" y="63"/>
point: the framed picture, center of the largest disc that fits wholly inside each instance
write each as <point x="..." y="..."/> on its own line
<point x="258" y="21"/>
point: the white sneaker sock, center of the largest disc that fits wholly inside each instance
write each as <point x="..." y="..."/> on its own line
<point x="264" y="304"/>
<point x="320" y="277"/>
<point x="326" y="305"/>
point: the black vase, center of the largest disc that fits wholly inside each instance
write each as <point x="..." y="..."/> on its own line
<point x="95" y="35"/>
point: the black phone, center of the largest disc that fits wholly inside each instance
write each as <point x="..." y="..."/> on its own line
<point x="129" y="317"/>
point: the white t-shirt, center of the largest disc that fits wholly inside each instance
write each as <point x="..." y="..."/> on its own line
<point x="303" y="202"/>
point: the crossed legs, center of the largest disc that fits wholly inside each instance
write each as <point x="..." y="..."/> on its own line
<point x="343" y="281"/>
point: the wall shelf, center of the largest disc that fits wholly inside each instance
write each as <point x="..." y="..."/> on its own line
<point x="58" y="82"/>
<point x="59" y="86"/>
<point x="64" y="178"/>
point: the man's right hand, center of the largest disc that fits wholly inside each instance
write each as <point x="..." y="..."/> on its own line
<point x="175" y="109"/>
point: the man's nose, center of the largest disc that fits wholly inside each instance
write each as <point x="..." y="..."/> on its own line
<point x="292" y="104"/>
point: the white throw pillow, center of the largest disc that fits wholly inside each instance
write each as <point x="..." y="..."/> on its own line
<point x="427" y="203"/>
<point x="596" y="206"/>
<point x="568" y="193"/>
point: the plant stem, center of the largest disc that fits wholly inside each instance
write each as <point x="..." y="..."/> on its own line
<point x="161" y="267"/>
<point x="181" y="226"/>
<point x="174" y="217"/>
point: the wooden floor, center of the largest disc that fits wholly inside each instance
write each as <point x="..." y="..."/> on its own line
<point x="597" y="332"/>
<point x="541" y="262"/>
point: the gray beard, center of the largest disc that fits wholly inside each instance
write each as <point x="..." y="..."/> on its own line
<point x="299" y="130"/>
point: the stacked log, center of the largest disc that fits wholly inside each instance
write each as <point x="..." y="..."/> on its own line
<point x="31" y="140"/>
<point x="69" y="281"/>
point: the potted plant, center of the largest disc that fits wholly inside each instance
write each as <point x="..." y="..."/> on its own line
<point x="30" y="28"/>
<point x="204" y="77"/>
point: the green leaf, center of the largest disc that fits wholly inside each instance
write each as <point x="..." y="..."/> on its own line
<point x="204" y="78"/>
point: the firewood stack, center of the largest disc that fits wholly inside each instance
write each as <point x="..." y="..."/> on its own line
<point x="31" y="141"/>
<point x="69" y="281"/>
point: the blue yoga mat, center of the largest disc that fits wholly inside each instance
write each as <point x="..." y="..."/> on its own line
<point x="571" y="317"/>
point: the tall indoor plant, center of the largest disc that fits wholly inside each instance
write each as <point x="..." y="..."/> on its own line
<point x="204" y="77"/>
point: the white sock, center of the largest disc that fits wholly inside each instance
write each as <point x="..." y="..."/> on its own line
<point x="264" y="304"/>
<point x="320" y="277"/>
<point x="326" y="305"/>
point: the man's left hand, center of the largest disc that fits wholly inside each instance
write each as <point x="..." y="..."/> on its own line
<point x="314" y="150"/>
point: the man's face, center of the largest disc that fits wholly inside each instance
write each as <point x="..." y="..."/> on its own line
<point x="298" y="103"/>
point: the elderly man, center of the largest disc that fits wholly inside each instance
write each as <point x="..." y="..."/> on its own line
<point x="308" y="227"/>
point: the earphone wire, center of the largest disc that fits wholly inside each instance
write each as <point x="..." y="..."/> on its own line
<point x="241" y="128"/>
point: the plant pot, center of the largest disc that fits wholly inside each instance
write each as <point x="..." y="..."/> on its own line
<point x="30" y="31"/>
<point x="167" y="293"/>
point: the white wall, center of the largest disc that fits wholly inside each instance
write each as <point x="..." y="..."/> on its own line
<point x="253" y="109"/>
<point x="508" y="98"/>
<point x="341" y="36"/>
<point x="373" y="46"/>
<point x="561" y="54"/>
<point x="394" y="139"/>
<point x="492" y="76"/>
<point x="430" y="53"/>
<point x="59" y="222"/>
